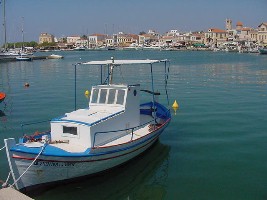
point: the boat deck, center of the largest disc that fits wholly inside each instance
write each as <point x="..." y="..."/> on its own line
<point x="90" y="116"/>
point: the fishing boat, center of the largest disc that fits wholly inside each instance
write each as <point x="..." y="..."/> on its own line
<point x="2" y="96"/>
<point x="115" y="128"/>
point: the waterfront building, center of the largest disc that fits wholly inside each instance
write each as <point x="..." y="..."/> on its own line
<point x="96" y="40"/>
<point x="71" y="40"/>
<point x="153" y="33"/>
<point x="232" y="35"/>
<point x="173" y="33"/>
<point x="46" y="37"/>
<point x="215" y="36"/>
<point x="253" y="35"/>
<point x="197" y="38"/>
<point x="168" y="40"/>
<point x="245" y="34"/>
<point x="110" y="41"/>
<point x="144" y="39"/>
<point x="262" y="34"/>
<point x="125" y="40"/>
<point x="82" y="42"/>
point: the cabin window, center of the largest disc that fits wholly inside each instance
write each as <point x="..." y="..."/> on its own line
<point x="111" y="96"/>
<point x="108" y="96"/>
<point x="103" y="95"/>
<point x="95" y="95"/>
<point x="70" y="130"/>
<point x="120" y="97"/>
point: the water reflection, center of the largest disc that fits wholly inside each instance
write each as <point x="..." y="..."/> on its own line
<point x="2" y="114"/>
<point x="142" y="178"/>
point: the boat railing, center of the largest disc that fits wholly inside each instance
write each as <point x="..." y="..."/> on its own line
<point x="127" y="130"/>
<point x="31" y="123"/>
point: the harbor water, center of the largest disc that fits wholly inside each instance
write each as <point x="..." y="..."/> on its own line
<point x="214" y="148"/>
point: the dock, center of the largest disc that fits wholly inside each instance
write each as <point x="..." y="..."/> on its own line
<point x="12" y="194"/>
<point x="10" y="59"/>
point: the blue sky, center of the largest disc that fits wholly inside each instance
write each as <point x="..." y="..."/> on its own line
<point x="78" y="17"/>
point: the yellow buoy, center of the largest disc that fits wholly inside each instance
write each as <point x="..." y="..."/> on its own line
<point x="87" y="93"/>
<point x="175" y="105"/>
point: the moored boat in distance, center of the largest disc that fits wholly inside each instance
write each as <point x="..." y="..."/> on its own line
<point x="55" y="56"/>
<point x="263" y="50"/>
<point x="23" y="58"/>
<point x="80" y="48"/>
<point x="114" y="129"/>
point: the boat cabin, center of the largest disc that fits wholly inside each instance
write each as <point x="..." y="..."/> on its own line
<point x="113" y="111"/>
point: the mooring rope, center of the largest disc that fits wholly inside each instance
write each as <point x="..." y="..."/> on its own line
<point x="29" y="166"/>
<point x="2" y="148"/>
<point x="5" y="184"/>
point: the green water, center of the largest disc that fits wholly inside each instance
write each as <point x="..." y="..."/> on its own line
<point x="214" y="148"/>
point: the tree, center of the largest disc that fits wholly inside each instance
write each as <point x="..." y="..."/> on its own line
<point x="142" y="33"/>
<point x="21" y="44"/>
<point x="84" y="37"/>
<point x="47" y="44"/>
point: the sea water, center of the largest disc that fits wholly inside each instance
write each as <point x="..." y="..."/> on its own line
<point x="214" y="147"/>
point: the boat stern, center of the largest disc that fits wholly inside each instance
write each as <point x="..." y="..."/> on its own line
<point x="10" y="143"/>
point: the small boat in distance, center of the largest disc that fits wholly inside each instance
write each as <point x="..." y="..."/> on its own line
<point x="80" y="48"/>
<point x="23" y="58"/>
<point x="115" y="128"/>
<point x="2" y="96"/>
<point x="55" y="56"/>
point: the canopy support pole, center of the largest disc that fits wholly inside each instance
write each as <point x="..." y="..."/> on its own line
<point x="101" y="75"/>
<point x="153" y="92"/>
<point x="166" y="79"/>
<point x="75" y="87"/>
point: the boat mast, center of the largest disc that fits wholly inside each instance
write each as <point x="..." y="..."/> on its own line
<point x="4" y="23"/>
<point x="22" y="31"/>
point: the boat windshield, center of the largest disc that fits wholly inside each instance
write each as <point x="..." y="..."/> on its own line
<point x="108" y="96"/>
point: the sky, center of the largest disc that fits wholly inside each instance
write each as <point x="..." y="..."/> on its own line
<point x="81" y="17"/>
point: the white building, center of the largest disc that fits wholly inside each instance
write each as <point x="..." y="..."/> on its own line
<point x="73" y="39"/>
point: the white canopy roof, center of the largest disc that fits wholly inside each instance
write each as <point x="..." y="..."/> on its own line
<point x="121" y="62"/>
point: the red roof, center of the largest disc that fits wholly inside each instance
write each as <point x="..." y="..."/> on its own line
<point x="246" y="29"/>
<point x="216" y="30"/>
<point x="97" y="34"/>
<point x="239" y="24"/>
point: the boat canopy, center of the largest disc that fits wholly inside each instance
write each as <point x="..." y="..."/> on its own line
<point x="113" y="63"/>
<point x="122" y="62"/>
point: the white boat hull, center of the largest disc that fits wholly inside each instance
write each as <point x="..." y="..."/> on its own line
<point x="48" y="169"/>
